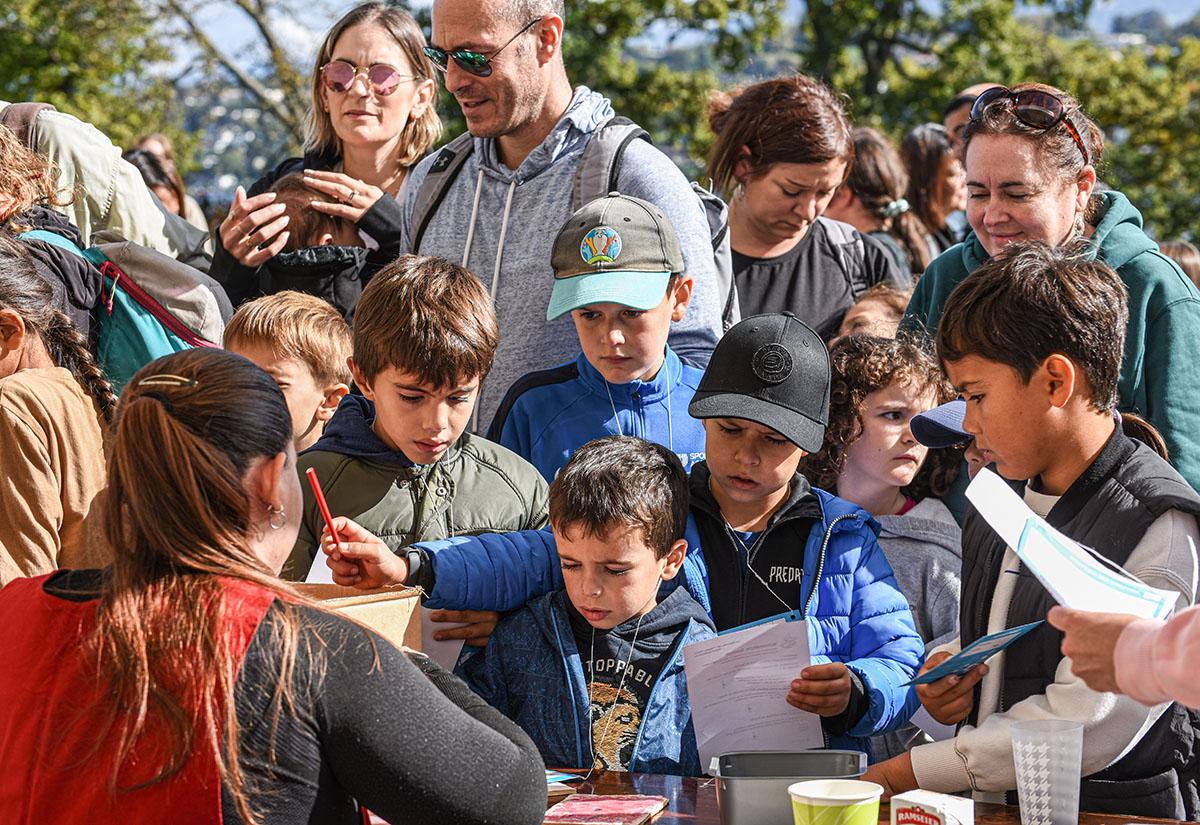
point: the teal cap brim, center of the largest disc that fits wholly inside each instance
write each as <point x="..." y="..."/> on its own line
<point x="637" y="290"/>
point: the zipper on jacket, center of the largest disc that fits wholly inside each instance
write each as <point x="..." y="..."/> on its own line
<point x="812" y="593"/>
<point x="679" y="645"/>
<point x="562" y="654"/>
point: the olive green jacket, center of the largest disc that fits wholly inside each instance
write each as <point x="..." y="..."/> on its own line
<point x="475" y="487"/>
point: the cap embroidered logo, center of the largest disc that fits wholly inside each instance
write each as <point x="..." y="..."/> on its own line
<point x="600" y="244"/>
<point x="772" y="363"/>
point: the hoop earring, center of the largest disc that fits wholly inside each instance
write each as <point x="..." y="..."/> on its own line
<point x="278" y="518"/>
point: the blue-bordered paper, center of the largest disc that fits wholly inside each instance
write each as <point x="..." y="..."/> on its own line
<point x="559" y="776"/>
<point x="789" y="616"/>
<point x="978" y="651"/>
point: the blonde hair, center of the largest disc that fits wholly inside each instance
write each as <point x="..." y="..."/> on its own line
<point x="27" y="178"/>
<point x="296" y="325"/>
<point x="420" y="133"/>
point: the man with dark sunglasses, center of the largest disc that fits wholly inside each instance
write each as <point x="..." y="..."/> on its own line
<point x="500" y="210"/>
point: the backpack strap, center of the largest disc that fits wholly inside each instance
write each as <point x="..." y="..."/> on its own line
<point x="600" y="165"/>
<point x="849" y="251"/>
<point x="21" y="119"/>
<point x="52" y="238"/>
<point x="449" y="162"/>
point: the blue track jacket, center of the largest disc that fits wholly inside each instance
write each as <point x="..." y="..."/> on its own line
<point x="548" y="415"/>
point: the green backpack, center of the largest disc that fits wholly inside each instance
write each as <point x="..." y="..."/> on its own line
<point x="152" y="304"/>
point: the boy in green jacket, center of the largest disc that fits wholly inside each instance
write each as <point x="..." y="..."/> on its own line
<point x="397" y="459"/>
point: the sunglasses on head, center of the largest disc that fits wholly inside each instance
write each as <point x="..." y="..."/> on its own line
<point x="1041" y="110"/>
<point x="472" y="62"/>
<point x="339" y="76"/>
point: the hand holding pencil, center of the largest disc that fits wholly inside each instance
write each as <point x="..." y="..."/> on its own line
<point x="359" y="558"/>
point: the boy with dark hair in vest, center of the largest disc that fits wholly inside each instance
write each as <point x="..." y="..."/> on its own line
<point x="618" y="511"/>
<point x="1033" y="343"/>
<point x="619" y="273"/>
<point x="760" y="540"/>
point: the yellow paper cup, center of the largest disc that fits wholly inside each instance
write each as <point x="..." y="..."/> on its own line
<point x="835" y="802"/>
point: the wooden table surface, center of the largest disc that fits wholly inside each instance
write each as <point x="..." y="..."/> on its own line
<point x="694" y="801"/>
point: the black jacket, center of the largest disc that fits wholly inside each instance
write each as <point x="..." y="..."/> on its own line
<point x="1108" y="508"/>
<point x="76" y="282"/>
<point x="335" y="280"/>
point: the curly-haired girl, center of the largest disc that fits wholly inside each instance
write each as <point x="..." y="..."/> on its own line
<point x="870" y="457"/>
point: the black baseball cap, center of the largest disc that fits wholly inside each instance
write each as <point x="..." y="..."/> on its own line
<point x="772" y="370"/>
<point x="942" y="426"/>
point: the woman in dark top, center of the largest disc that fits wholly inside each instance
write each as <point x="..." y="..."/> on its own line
<point x="114" y="682"/>
<point x="783" y="147"/>
<point x="937" y="184"/>
<point x="371" y="120"/>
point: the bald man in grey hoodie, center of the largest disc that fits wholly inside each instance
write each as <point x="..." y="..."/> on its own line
<point x="500" y="215"/>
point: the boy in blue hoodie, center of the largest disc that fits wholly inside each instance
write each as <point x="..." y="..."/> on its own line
<point x="760" y="540"/>
<point x="618" y="271"/>
<point x="397" y="458"/>
<point x="593" y="672"/>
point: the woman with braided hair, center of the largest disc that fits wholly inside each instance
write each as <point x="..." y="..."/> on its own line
<point x="54" y="408"/>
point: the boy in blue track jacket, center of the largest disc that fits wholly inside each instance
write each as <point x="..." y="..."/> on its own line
<point x="618" y="271"/>
<point x="760" y="540"/>
<point x="594" y="672"/>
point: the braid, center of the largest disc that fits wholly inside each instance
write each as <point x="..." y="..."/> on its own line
<point x="69" y="349"/>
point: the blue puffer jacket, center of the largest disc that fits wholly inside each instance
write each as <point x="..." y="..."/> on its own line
<point x="548" y="415"/>
<point x="847" y="591"/>
<point x="532" y="672"/>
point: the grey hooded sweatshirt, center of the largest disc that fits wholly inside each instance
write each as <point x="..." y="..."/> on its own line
<point x="924" y="547"/>
<point x="511" y="219"/>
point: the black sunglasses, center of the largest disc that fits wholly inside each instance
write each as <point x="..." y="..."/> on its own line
<point x="473" y="62"/>
<point x="1041" y="110"/>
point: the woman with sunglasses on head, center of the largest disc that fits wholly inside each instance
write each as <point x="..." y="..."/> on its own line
<point x="186" y="680"/>
<point x="372" y="119"/>
<point x="1031" y="156"/>
<point x="784" y="147"/>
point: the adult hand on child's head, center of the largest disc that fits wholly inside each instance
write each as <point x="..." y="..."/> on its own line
<point x="950" y="698"/>
<point x="252" y="222"/>
<point x="475" y="628"/>
<point x="1089" y="641"/>
<point x="351" y="198"/>
<point x="822" y="689"/>
<point x="361" y="559"/>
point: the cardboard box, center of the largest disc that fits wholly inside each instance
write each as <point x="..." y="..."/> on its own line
<point x="929" y="808"/>
<point x="392" y="612"/>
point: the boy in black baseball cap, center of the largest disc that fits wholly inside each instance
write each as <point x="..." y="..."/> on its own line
<point x="770" y="543"/>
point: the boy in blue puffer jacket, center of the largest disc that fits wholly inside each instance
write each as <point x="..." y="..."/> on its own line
<point x="760" y="540"/>
<point x="594" y="672"/>
<point x="618" y="271"/>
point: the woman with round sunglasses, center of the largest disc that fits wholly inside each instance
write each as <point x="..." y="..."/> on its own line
<point x="1031" y="156"/>
<point x="784" y="147"/>
<point x="186" y="680"/>
<point x="372" y="119"/>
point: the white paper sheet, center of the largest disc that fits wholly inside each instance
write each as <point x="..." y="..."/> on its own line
<point x="737" y="684"/>
<point x="320" y="573"/>
<point x="444" y="653"/>
<point x="1075" y="577"/>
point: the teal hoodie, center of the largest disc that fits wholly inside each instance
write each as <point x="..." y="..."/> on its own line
<point x="1160" y="371"/>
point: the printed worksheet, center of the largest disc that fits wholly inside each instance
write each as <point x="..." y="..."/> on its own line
<point x="738" y="684"/>
<point x="1074" y="575"/>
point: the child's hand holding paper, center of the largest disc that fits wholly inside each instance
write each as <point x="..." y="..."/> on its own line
<point x="822" y="689"/>
<point x="363" y="560"/>
<point x="950" y="698"/>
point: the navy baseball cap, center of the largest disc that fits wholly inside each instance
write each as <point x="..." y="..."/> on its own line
<point x="942" y="426"/>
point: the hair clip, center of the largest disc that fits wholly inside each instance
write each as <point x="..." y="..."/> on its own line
<point x="166" y="380"/>
<point x="161" y="398"/>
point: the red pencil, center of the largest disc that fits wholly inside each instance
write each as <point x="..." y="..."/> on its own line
<point x="316" y="485"/>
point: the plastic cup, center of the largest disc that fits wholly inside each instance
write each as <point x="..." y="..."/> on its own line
<point x="835" y="802"/>
<point x="1047" y="756"/>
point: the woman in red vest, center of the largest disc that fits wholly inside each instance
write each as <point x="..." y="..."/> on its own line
<point x="115" y="684"/>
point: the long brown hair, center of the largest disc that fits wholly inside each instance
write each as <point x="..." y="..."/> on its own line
<point x="880" y="182"/>
<point x="189" y="427"/>
<point x="29" y="295"/>
<point x="27" y="178"/>
<point x="861" y="364"/>
<point x="784" y="120"/>
<point x="420" y="133"/>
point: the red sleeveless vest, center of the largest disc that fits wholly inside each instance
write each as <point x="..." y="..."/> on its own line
<point x="46" y="688"/>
